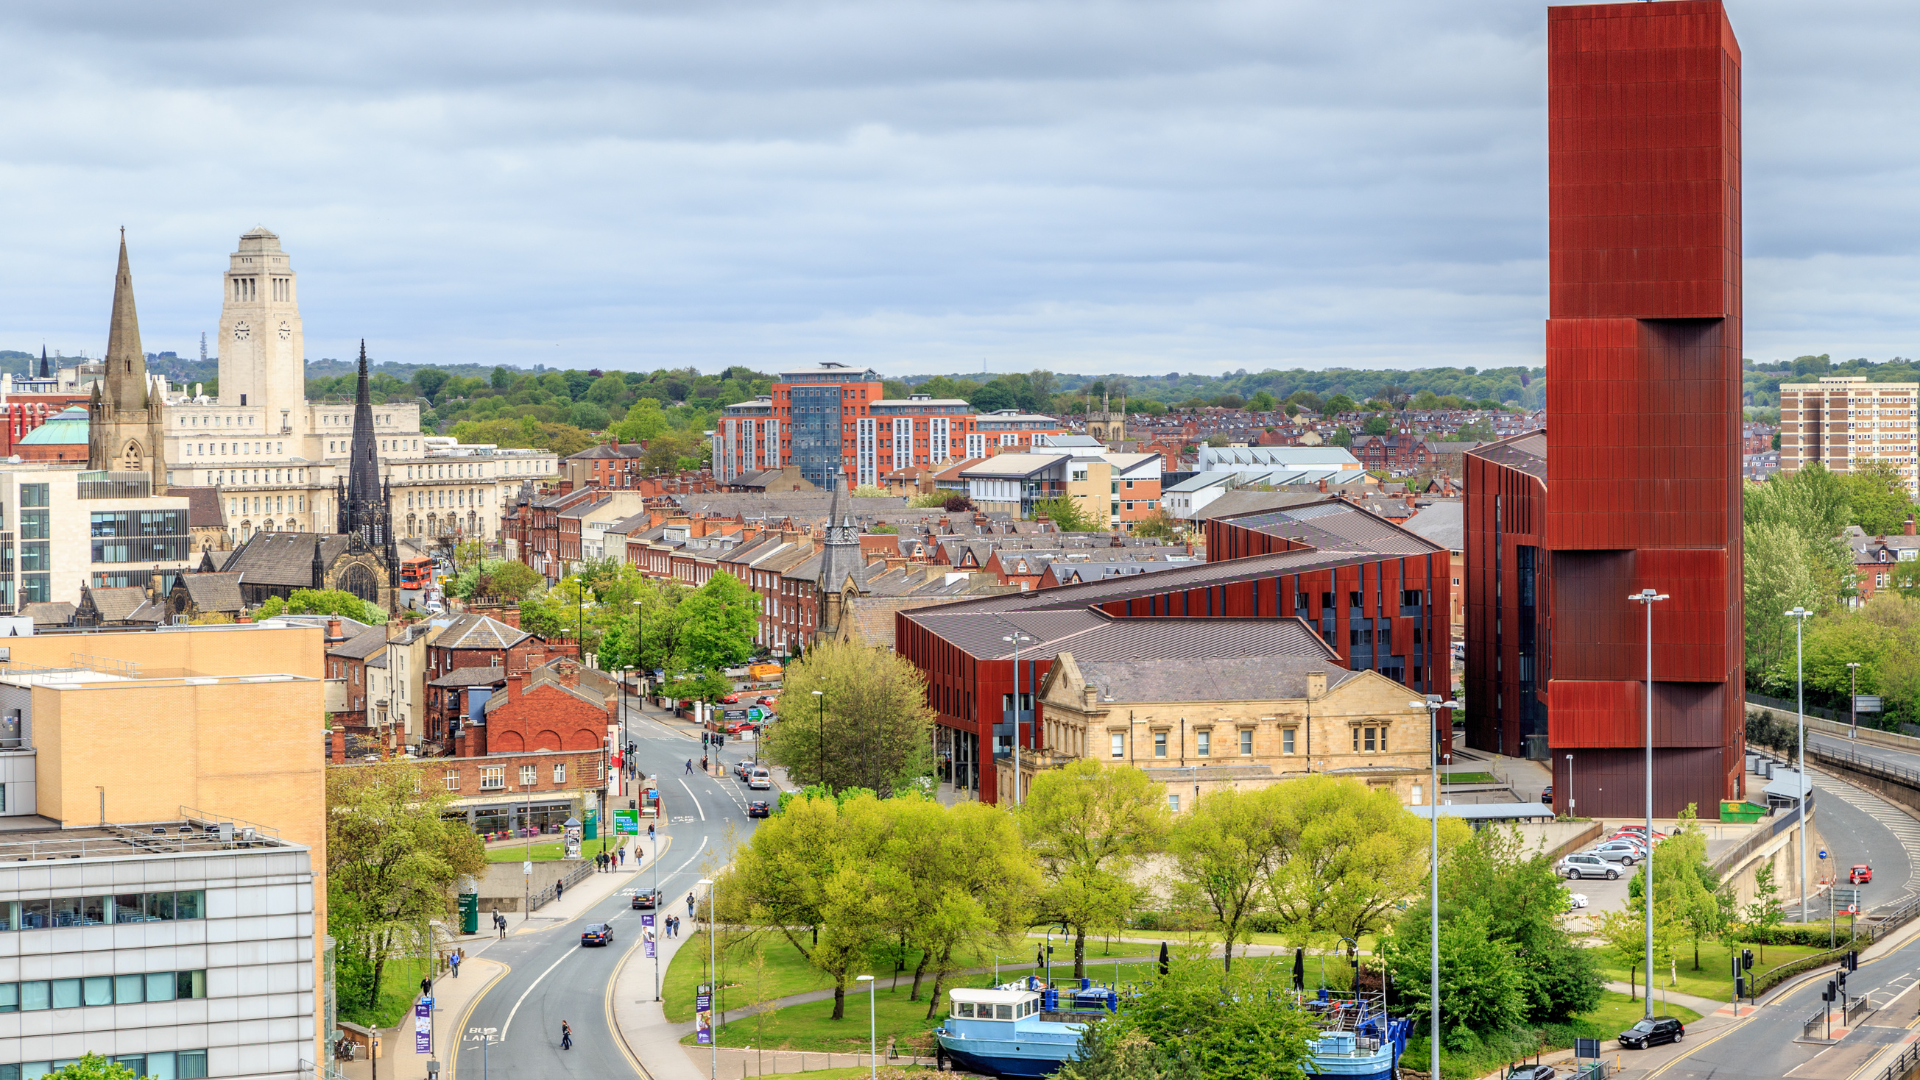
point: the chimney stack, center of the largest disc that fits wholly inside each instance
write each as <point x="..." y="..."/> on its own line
<point x="1908" y="528"/>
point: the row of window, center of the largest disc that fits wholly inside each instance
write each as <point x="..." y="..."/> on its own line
<point x="1365" y="740"/>
<point x="103" y="910"/>
<point x="219" y="449"/>
<point x="462" y="497"/>
<point x="163" y="1065"/>
<point x="36" y="995"/>
<point x="274" y="504"/>
<point x="154" y="549"/>
<point x="494" y="777"/>
<point x="139" y="523"/>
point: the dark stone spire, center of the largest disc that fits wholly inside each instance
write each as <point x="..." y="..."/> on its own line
<point x="44" y="373"/>
<point x="363" y="467"/>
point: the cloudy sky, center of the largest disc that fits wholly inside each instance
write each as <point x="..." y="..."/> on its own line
<point x="1087" y="185"/>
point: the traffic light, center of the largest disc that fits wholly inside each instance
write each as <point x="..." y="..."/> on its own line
<point x="1853" y="959"/>
<point x="1831" y="993"/>
<point x="1843" y="980"/>
<point x="1746" y="959"/>
<point x="1739" y="986"/>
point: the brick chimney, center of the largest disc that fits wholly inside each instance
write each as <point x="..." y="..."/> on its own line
<point x="333" y="631"/>
<point x="1908" y="528"/>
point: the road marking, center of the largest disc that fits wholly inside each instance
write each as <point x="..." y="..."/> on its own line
<point x="453" y="1062"/>
<point x="696" y="801"/>
<point x="523" y="995"/>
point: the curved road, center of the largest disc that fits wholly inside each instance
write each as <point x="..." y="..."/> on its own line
<point x="551" y="977"/>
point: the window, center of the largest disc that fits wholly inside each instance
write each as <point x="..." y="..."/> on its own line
<point x="1246" y="742"/>
<point x="1383" y="740"/>
<point x="493" y="778"/>
<point x="33" y="524"/>
<point x="453" y="780"/>
<point x="559" y="772"/>
<point x="1119" y="740"/>
<point x="1370" y="734"/>
<point x="1203" y="740"/>
<point x="1173" y="801"/>
<point x="1159" y="744"/>
<point x="33" y="495"/>
<point x="1286" y="741"/>
<point x="529" y="775"/>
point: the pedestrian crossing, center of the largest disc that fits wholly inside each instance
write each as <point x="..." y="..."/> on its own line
<point x="1898" y="822"/>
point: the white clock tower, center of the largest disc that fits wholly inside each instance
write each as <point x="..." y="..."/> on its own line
<point x="262" y="350"/>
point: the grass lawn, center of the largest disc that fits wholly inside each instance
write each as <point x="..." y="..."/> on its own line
<point x="1469" y="778"/>
<point x="1715" y="977"/>
<point x="546" y="852"/>
<point x="850" y="1073"/>
<point x="399" y="985"/>
<point x="787" y="972"/>
<point x="1616" y="1013"/>
<point x="811" y="1027"/>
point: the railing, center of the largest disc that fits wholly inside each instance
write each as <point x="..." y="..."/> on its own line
<point x="546" y="896"/>
<point x="1852" y="759"/>
<point x="1853" y="1009"/>
<point x="1772" y="977"/>
<point x="1902" y="1065"/>
<point x="1592" y="1070"/>
<point x="1814" y="1027"/>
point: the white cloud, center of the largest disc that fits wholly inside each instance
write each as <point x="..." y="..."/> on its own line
<point x="1105" y="184"/>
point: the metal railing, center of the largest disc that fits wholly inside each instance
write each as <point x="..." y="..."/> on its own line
<point x="1902" y="1065"/>
<point x="1854" y="1008"/>
<point x="1814" y="1027"/>
<point x="546" y="896"/>
<point x="1592" y="1070"/>
<point x="1854" y="760"/>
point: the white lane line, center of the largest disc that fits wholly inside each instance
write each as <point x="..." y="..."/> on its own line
<point x="696" y="801"/>
<point x="523" y="996"/>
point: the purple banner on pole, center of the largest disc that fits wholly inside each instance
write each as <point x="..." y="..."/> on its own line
<point x="423" y="1026"/>
<point x="647" y="919"/>
<point x="703" y="1019"/>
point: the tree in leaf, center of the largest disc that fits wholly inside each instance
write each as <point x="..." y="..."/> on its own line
<point x="1223" y="852"/>
<point x="878" y="730"/>
<point x="1066" y="514"/>
<point x="714" y="626"/>
<point x="1354" y="853"/>
<point x="92" y="1066"/>
<point x="1111" y="1051"/>
<point x="1766" y="911"/>
<point x="1230" y="1025"/>
<point x="1089" y="825"/>
<point x="392" y="861"/>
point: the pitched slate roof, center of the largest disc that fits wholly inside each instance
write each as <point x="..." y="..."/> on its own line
<point x="476" y="631"/>
<point x="1210" y="678"/>
<point x="362" y="645"/>
<point x="124" y="604"/>
<point x="284" y="558"/>
<point x="1444" y="523"/>
<point x="214" y="592"/>
<point x="471" y="676"/>
<point x="1526" y="453"/>
<point x="54" y="613"/>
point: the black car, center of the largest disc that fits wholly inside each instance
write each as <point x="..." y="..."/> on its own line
<point x="643" y="900"/>
<point x="759" y="808"/>
<point x="1652" y="1033"/>
<point x="597" y="934"/>
<point x="1530" y="1072"/>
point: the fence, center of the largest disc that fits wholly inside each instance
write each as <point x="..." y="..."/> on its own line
<point x="1592" y="1070"/>
<point x="1815" y="1026"/>
<point x="1900" y="1066"/>
<point x="1782" y="705"/>
<point x="1772" y="977"/>
<point x="1860" y="763"/>
<point x="548" y="895"/>
<point x="1854" y="1008"/>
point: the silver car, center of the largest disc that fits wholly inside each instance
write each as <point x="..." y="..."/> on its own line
<point x="1624" y="852"/>
<point x="1584" y="866"/>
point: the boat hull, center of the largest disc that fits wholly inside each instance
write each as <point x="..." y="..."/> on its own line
<point x="994" y="1061"/>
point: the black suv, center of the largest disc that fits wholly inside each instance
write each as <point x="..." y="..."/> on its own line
<point x="643" y="900"/>
<point x="1652" y="1033"/>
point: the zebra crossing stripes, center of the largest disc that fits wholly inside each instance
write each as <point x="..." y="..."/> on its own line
<point x="1896" y="821"/>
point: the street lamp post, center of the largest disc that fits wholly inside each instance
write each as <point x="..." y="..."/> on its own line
<point x="1433" y="705"/>
<point x="713" y="979"/>
<point x="1570" y="803"/>
<point x="873" y="1038"/>
<point x="1017" y="637"/>
<point x="1648" y="598"/>
<point x="1853" y="700"/>
<point x="823" y="738"/>
<point x="1799" y="617"/>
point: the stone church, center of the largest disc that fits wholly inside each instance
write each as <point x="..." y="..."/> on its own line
<point x="124" y="422"/>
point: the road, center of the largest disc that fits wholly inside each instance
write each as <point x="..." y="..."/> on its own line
<point x="551" y="977"/>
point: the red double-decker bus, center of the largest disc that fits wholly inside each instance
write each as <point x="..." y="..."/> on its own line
<point x="416" y="573"/>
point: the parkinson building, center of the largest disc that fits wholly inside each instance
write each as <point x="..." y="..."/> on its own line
<point x="281" y="462"/>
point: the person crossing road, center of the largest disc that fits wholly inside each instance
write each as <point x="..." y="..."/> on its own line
<point x="566" y="1035"/>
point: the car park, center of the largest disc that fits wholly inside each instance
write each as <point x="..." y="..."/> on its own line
<point x="759" y="808"/>
<point x="1860" y="875"/>
<point x="1616" y="851"/>
<point x="1653" y="1032"/>
<point x="1640" y="832"/>
<point x="597" y="934"/>
<point x="643" y="900"/>
<point x="1584" y="866"/>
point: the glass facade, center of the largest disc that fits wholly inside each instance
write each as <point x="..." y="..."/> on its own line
<point x="815" y="431"/>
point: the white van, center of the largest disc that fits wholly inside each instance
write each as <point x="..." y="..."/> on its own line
<point x="760" y="779"/>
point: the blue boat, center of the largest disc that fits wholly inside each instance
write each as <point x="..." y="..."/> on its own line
<point x="1026" y="1030"/>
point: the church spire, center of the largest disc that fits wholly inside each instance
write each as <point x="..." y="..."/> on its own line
<point x="126" y="374"/>
<point x="363" y="468"/>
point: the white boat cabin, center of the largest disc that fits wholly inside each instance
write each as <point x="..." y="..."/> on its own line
<point x="999" y="1003"/>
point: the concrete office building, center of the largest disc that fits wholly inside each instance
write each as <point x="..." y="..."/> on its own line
<point x="1847" y="424"/>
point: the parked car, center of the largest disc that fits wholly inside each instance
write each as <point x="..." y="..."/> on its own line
<point x="1530" y="1072"/>
<point x="734" y="699"/>
<point x="1860" y="875"/>
<point x="1547" y="795"/>
<point x="1662" y="1029"/>
<point x="1640" y="831"/>
<point x="740" y="726"/>
<point x="1576" y="901"/>
<point x="1619" y="851"/>
<point x="759" y="808"/>
<point x="1584" y="866"/>
<point x="597" y="934"/>
<point x="768" y="700"/>
<point x="760" y="779"/>
<point x="643" y="900"/>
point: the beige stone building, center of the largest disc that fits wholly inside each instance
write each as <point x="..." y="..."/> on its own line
<point x="1200" y="725"/>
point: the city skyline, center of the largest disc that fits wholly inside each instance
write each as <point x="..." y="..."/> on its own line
<point x="1115" y="188"/>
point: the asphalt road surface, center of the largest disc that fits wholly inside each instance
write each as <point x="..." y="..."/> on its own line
<point x="552" y="977"/>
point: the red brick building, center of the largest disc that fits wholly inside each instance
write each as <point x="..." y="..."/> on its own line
<point x="475" y="640"/>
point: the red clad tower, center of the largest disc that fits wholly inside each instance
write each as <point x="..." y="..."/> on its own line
<point x="1642" y="464"/>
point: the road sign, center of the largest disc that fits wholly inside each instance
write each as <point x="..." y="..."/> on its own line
<point x="527" y="868"/>
<point x="1823" y="853"/>
<point x="626" y="823"/>
<point x="1586" y="1048"/>
<point x="1866" y="703"/>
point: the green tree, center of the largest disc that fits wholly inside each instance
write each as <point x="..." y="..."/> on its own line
<point x="644" y="422"/>
<point x="1482" y="985"/>
<point x="1766" y="911"/>
<point x="1231" y="1025"/>
<point x="1158" y="525"/>
<point x="1066" y="514"/>
<point x="878" y="730"/>
<point x="1261" y="402"/>
<point x="322" y="602"/>
<point x="1341" y="436"/>
<point x="714" y="625"/>
<point x="393" y="857"/>
<point x="1353" y="853"/>
<point x="1878" y="496"/>
<point x="1109" y="1051"/>
<point x="92" y="1066"/>
<point x="1340" y="403"/>
<point x="1378" y="425"/>
<point x="1223" y="852"/>
<point x="1089" y="825"/>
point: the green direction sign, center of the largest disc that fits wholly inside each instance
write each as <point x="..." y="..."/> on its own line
<point x="626" y="823"/>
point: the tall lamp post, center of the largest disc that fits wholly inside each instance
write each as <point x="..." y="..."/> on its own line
<point x="873" y="1038"/>
<point x="1433" y="705"/>
<point x="1799" y="617"/>
<point x="713" y="979"/>
<point x="1853" y="700"/>
<point x="1016" y="638"/>
<point x="1648" y="598"/>
<point x="1570" y="802"/>
<point x="823" y="738"/>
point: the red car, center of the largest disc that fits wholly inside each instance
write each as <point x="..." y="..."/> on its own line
<point x="1860" y="875"/>
<point x="730" y="699"/>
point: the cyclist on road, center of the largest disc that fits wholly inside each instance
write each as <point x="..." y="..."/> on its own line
<point x="566" y="1035"/>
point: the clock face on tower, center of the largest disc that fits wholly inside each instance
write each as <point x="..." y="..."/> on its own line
<point x="240" y="331"/>
<point x="286" y="330"/>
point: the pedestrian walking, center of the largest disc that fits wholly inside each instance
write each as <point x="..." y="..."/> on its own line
<point x="558" y="888"/>
<point x="689" y="905"/>
<point x="426" y="986"/>
<point x="454" y="961"/>
<point x="649" y="832"/>
<point x="689" y="766"/>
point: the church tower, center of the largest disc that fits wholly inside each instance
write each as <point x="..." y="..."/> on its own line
<point x="366" y="513"/>
<point x="123" y="417"/>
<point x="262" y="348"/>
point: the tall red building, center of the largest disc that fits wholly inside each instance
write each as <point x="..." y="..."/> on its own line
<point x="1636" y="482"/>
